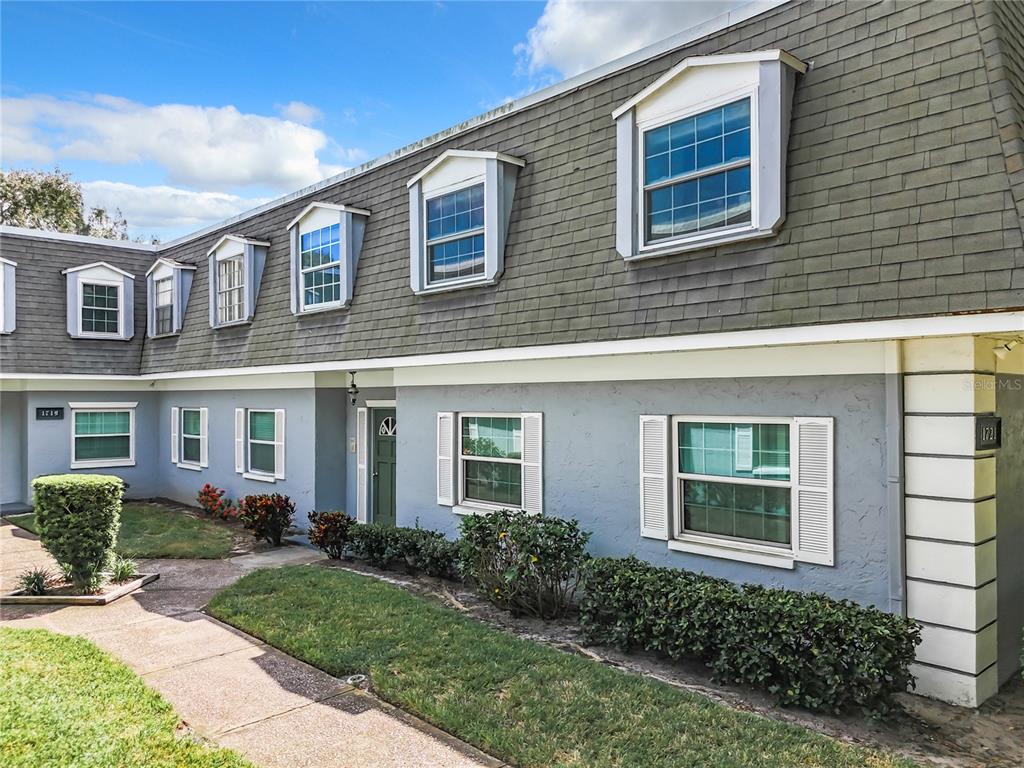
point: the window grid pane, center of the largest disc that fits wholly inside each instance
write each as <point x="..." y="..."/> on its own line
<point x="190" y="422"/>
<point x="102" y="435"/>
<point x="749" y="512"/>
<point x="320" y="259"/>
<point x="230" y="290"/>
<point x="261" y="426"/>
<point x="734" y="450"/>
<point x="456" y="258"/>
<point x="190" y="449"/>
<point x="458" y="212"/>
<point x="695" y="144"/>
<point x="493" y="482"/>
<point x="492" y="436"/>
<point x="100" y="313"/>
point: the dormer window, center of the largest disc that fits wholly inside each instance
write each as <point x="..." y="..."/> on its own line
<point x="460" y="206"/>
<point x="100" y="301"/>
<point x="235" y="271"/>
<point x="701" y="154"/>
<point x="325" y="243"/>
<point x="7" y="295"/>
<point x="168" y="284"/>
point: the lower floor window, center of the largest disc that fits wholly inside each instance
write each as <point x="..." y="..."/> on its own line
<point x="191" y="435"/>
<point x="491" y="456"/>
<point x="734" y="480"/>
<point x="102" y="437"/>
<point x="262" y="442"/>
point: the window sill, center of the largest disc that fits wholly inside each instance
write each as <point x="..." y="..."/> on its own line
<point x="165" y="335"/>
<point x="102" y="464"/>
<point x="101" y="336"/>
<point x="319" y="310"/>
<point x="731" y="552"/>
<point x="682" y="246"/>
<point x="235" y="324"/>
<point x="260" y="476"/>
<point x="193" y="467"/>
<point x="445" y="287"/>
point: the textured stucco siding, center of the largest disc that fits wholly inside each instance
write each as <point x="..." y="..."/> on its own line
<point x="591" y="464"/>
<point x="1010" y="522"/>
<point x="12" y="447"/>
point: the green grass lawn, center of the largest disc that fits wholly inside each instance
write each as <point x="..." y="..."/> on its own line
<point x="153" y="530"/>
<point x="525" y="703"/>
<point x="66" y="703"/>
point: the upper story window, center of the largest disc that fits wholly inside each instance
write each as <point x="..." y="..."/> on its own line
<point x="235" y="272"/>
<point x="701" y="154"/>
<point x="455" y="235"/>
<point x="168" y="284"/>
<point x="100" y="302"/>
<point x="325" y="244"/>
<point x="460" y="206"/>
<point x="7" y="295"/>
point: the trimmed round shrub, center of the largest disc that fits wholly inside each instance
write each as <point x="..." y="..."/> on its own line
<point x="428" y="551"/>
<point x="806" y="649"/>
<point x="78" y="517"/>
<point x="378" y="544"/>
<point x="267" y="515"/>
<point x="330" y="532"/>
<point x="525" y="563"/>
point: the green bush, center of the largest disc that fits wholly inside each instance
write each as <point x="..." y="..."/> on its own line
<point x="378" y="544"/>
<point x="330" y="532"/>
<point x="123" y="569"/>
<point x="806" y="649"/>
<point x="428" y="551"/>
<point x="524" y="563"/>
<point x="78" y="517"/>
<point x="35" y="581"/>
<point x="267" y="515"/>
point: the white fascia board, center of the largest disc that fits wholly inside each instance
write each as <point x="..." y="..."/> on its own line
<point x="168" y="263"/>
<point x="446" y="155"/>
<point x="709" y="61"/>
<point x="8" y="262"/>
<point x="40" y="234"/>
<point x="874" y="330"/>
<point x="97" y="264"/>
<point x="329" y="206"/>
<point x="238" y="239"/>
<point x="100" y="406"/>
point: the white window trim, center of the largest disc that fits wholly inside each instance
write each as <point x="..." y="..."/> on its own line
<point x="441" y="285"/>
<point x="157" y="306"/>
<point x="464" y="506"/>
<point x="104" y="407"/>
<point x="322" y="306"/>
<point x="699" y="238"/>
<point x="733" y="549"/>
<point x="257" y="474"/>
<point x="240" y="255"/>
<point x="196" y="466"/>
<point x="119" y="284"/>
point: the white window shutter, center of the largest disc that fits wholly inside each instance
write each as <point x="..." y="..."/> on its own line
<point x="533" y="463"/>
<point x="174" y="435"/>
<point x="239" y="440"/>
<point x="279" y="436"/>
<point x="362" y="451"/>
<point x="654" y="477"/>
<point x="446" y="458"/>
<point x="204" y="439"/>
<point x="812" y="491"/>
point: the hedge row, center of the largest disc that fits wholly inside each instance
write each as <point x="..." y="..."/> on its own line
<point x="807" y="649"/>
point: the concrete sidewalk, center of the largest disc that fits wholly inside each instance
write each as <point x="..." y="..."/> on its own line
<point x="228" y="686"/>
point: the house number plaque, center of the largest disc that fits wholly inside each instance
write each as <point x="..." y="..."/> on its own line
<point x="988" y="433"/>
<point x="49" y="414"/>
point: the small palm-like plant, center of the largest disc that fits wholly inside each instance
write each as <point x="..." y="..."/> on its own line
<point x="123" y="569"/>
<point x="35" y="581"/>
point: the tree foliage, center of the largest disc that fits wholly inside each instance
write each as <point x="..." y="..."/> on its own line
<point x="52" y="201"/>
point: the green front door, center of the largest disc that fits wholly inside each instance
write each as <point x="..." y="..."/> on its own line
<point x="385" y="431"/>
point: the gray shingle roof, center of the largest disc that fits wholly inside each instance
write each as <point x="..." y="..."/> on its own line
<point x="899" y="204"/>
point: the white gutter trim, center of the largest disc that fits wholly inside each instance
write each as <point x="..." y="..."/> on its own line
<point x="97" y="264"/>
<point x="328" y="206"/>
<point x="40" y="234"/>
<point x="873" y="330"/>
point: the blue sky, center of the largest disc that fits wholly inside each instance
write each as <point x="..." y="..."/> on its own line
<point x="184" y="113"/>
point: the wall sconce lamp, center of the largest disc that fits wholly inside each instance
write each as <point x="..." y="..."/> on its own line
<point x="352" y="390"/>
<point x="1004" y="349"/>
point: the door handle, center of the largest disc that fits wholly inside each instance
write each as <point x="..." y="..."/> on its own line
<point x="376" y="474"/>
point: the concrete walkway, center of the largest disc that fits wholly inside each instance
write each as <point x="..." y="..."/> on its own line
<point x="227" y="686"/>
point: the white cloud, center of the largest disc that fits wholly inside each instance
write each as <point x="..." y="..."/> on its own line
<point x="573" y="36"/>
<point x="216" y="148"/>
<point x="165" y="210"/>
<point x="300" y="112"/>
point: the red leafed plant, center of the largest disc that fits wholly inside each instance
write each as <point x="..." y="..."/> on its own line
<point x="267" y="515"/>
<point x="214" y="502"/>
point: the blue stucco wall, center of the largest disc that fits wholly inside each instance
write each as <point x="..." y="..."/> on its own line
<point x="591" y="464"/>
<point x="12" y="447"/>
<point x="1010" y="522"/>
<point x="48" y="443"/>
<point x="301" y="446"/>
